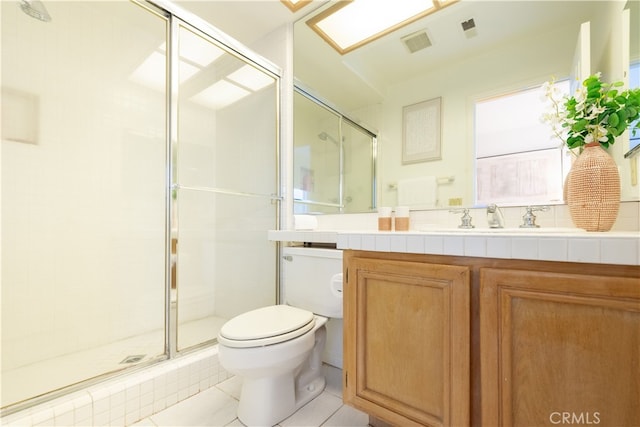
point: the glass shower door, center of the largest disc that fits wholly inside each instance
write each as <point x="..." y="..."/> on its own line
<point x="317" y="163"/>
<point x="359" y="175"/>
<point x="225" y="187"/>
<point x="83" y="194"/>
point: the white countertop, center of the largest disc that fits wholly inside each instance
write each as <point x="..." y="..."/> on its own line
<point x="546" y="245"/>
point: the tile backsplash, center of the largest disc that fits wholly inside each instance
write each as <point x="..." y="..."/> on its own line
<point x="557" y="216"/>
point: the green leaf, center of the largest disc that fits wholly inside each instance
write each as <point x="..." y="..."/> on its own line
<point x="593" y="93"/>
<point x="622" y="115"/>
<point x="574" y="142"/>
<point x="579" y="125"/>
<point x="614" y="131"/>
<point x="614" y="120"/>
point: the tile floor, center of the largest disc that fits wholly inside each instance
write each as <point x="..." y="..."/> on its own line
<point x="217" y="406"/>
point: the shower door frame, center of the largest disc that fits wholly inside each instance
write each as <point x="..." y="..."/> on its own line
<point x="177" y="17"/>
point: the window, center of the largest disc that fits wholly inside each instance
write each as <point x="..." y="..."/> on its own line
<point x="518" y="160"/>
<point x="634" y="82"/>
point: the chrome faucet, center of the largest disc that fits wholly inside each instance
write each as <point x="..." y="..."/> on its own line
<point x="465" y="220"/>
<point x="529" y="219"/>
<point x="495" y="219"/>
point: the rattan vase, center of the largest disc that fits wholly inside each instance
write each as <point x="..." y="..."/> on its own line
<point x="593" y="190"/>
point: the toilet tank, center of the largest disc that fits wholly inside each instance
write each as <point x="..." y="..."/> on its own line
<point x="313" y="279"/>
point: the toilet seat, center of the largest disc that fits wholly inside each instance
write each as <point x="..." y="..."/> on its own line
<point x="266" y="326"/>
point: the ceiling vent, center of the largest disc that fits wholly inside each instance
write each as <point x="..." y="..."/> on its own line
<point x="416" y="41"/>
<point x="469" y="28"/>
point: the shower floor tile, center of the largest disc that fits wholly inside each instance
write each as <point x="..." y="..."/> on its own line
<point x="52" y="374"/>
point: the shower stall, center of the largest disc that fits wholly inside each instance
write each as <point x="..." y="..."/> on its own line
<point x="139" y="179"/>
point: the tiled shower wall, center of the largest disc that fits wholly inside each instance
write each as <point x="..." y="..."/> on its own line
<point x="129" y="398"/>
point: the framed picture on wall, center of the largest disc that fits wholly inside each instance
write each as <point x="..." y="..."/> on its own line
<point x="421" y="131"/>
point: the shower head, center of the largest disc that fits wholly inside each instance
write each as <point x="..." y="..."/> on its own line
<point x="35" y="9"/>
<point x="324" y="136"/>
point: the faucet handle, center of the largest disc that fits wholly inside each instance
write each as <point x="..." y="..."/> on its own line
<point x="465" y="220"/>
<point x="529" y="219"/>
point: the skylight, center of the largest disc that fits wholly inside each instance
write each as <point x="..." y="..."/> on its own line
<point x="295" y="5"/>
<point x="350" y="24"/>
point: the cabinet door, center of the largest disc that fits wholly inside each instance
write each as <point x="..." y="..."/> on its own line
<point x="559" y="349"/>
<point x="406" y="341"/>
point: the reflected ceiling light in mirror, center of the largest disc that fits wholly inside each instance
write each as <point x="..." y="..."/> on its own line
<point x="195" y="49"/>
<point x="195" y="55"/>
<point x="295" y="5"/>
<point x="250" y="78"/>
<point x="152" y="72"/>
<point x="350" y="24"/>
<point x="220" y="94"/>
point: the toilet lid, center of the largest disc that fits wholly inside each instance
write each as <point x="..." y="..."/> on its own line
<point x="265" y="326"/>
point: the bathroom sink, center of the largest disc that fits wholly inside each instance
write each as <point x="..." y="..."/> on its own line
<point x="510" y="230"/>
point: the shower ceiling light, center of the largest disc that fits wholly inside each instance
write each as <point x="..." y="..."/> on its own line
<point x="350" y="24"/>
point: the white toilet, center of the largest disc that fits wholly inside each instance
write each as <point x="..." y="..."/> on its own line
<point x="277" y="350"/>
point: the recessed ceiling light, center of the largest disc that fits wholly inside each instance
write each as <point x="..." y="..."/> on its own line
<point x="350" y="24"/>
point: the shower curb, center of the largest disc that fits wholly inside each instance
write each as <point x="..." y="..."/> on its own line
<point x="126" y="399"/>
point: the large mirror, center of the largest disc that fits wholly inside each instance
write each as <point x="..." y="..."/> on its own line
<point x="511" y="46"/>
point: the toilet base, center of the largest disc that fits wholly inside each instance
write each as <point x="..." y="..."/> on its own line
<point x="310" y="392"/>
<point x="265" y="401"/>
<point x="283" y="399"/>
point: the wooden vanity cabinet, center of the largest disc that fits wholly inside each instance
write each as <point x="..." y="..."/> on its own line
<point x="559" y="349"/>
<point x="456" y="341"/>
<point x="406" y="353"/>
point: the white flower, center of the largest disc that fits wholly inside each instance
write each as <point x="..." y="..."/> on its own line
<point x="593" y="111"/>
<point x="595" y="133"/>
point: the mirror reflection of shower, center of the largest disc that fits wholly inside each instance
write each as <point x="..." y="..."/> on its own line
<point x="35" y="9"/>
<point x="325" y="136"/>
<point x="334" y="159"/>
